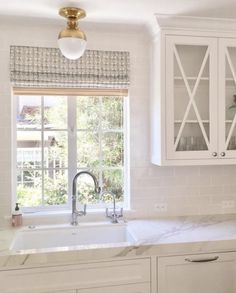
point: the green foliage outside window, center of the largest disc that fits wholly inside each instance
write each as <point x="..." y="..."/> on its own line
<point x="100" y="149"/>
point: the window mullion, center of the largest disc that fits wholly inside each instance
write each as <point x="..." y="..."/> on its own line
<point x="100" y="145"/>
<point x="126" y="147"/>
<point x="72" y="143"/>
<point x="15" y="168"/>
<point x="42" y="147"/>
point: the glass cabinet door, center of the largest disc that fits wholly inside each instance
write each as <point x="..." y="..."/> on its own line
<point x="191" y="97"/>
<point x="227" y="98"/>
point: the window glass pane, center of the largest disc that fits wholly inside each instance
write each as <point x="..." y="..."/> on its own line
<point x="28" y="112"/>
<point x="29" y="188"/>
<point x="29" y="149"/>
<point x="55" y="149"/>
<point x="87" y="149"/>
<point x="85" y="189"/>
<point x="113" y="149"/>
<point x="55" y="112"/>
<point x="55" y="187"/>
<point x="112" y="112"/>
<point x="113" y="181"/>
<point x="97" y="145"/>
<point x="88" y="109"/>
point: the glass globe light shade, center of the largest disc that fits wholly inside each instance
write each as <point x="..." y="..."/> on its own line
<point x="72" y="47"/>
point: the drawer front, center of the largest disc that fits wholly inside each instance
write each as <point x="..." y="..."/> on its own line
<point x="131" y="288"/>
<point x="75" y="276"/>
<point x="205" y="273"/>
<point x="59" y="291"/>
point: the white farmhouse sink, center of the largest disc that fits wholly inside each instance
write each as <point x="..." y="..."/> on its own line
<point x="67" y="236"/>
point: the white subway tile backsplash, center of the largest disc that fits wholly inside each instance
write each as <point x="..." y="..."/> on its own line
<point x="154" y="170"/>
<point x="223" y="179"/>
<point x="211" y="190"/>
<point x="212" y="170"/>
<point x="230" y="189"/>
<point x="199" y="180"/>
<point x="187" y="171"/>
<point x="173" y="181"/>
<point x="229" y="170"/>
<point x="151" y="181"/>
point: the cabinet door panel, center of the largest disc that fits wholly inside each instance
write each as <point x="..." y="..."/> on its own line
<point x="227" y="98"/>
<point x="197" y="273"/>
<point x="191" y="97"/>
<point x="132" y="288"/>
<point x="58" y="291"/>
<point x="75" y="276"/>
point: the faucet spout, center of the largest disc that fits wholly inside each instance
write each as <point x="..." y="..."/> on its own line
<point x="75" y="212"/>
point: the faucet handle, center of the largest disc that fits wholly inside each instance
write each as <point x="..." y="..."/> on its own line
<point x="107" y="213"/>
<point x="121" y="213"/>
<point x="98" y="189"/>
<point x="82" y="212"/>
<point x="85" y="209"/>
<point x="114" y="215"/>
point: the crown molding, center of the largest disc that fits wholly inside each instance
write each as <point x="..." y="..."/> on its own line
<point x="168" y="21"/>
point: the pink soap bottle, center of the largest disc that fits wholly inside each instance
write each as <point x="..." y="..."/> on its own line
<point x="16" y="217"/>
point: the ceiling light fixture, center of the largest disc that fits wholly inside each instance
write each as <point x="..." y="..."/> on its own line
<point x="71" y="40"/>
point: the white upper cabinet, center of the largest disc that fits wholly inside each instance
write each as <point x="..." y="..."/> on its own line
<point x="191" y="76"/>
<point x="227" y="97"/>
<point x="193" y="94"/>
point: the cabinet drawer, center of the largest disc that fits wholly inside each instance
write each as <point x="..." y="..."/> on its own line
<point x="131" y="288"/>
<point x="64" y="291"/>
<point x="75" y="276"/>
<point x="205" y="273"/>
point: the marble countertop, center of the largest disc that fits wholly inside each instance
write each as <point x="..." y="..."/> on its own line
<point x="163" y="236"/>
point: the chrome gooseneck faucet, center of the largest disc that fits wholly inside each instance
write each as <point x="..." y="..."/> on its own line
<point x="75" y="212"/>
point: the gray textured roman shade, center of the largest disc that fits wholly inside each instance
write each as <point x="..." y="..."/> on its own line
<point x="46" y="67"/>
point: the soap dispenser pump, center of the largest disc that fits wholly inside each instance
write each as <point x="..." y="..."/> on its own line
<point x="17" y="216"/>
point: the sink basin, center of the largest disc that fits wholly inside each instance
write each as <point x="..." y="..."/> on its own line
<point x="67" y="236"/>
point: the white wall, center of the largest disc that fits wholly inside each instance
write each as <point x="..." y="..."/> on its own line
<point x="185" y="190"/>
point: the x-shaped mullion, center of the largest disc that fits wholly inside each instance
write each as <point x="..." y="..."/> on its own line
<point x="191" y="97"/>
<point x="234" y="78"/>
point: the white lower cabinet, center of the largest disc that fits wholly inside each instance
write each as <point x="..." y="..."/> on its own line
<point x="132" y="288"/>
<point x="125" y="276"/>
<point x="205" y="273"/>
<point x="59" y="291"/>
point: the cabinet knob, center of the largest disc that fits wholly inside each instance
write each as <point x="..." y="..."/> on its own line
<point x="214" y="154"/>
<point x="222" y="154"/>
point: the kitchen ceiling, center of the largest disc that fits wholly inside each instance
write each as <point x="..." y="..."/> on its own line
<point x="119" y="11"/>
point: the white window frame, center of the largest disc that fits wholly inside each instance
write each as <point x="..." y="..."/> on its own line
<point x="72" y="149"/>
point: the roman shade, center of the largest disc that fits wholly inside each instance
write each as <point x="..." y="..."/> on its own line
<point x="46" y="67"/>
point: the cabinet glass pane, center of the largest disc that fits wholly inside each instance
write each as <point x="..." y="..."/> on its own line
<point x="230" y="98"/>
<point x="191" y="98"/>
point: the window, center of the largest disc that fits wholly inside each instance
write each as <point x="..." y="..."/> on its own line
<point x="57" y="136"/>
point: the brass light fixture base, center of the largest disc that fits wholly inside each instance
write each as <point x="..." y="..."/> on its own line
<point x="72" y="13"/>
<point x="72" y="40"/>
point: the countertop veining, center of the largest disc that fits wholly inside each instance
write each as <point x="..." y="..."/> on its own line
<point x="163" y="236"/>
